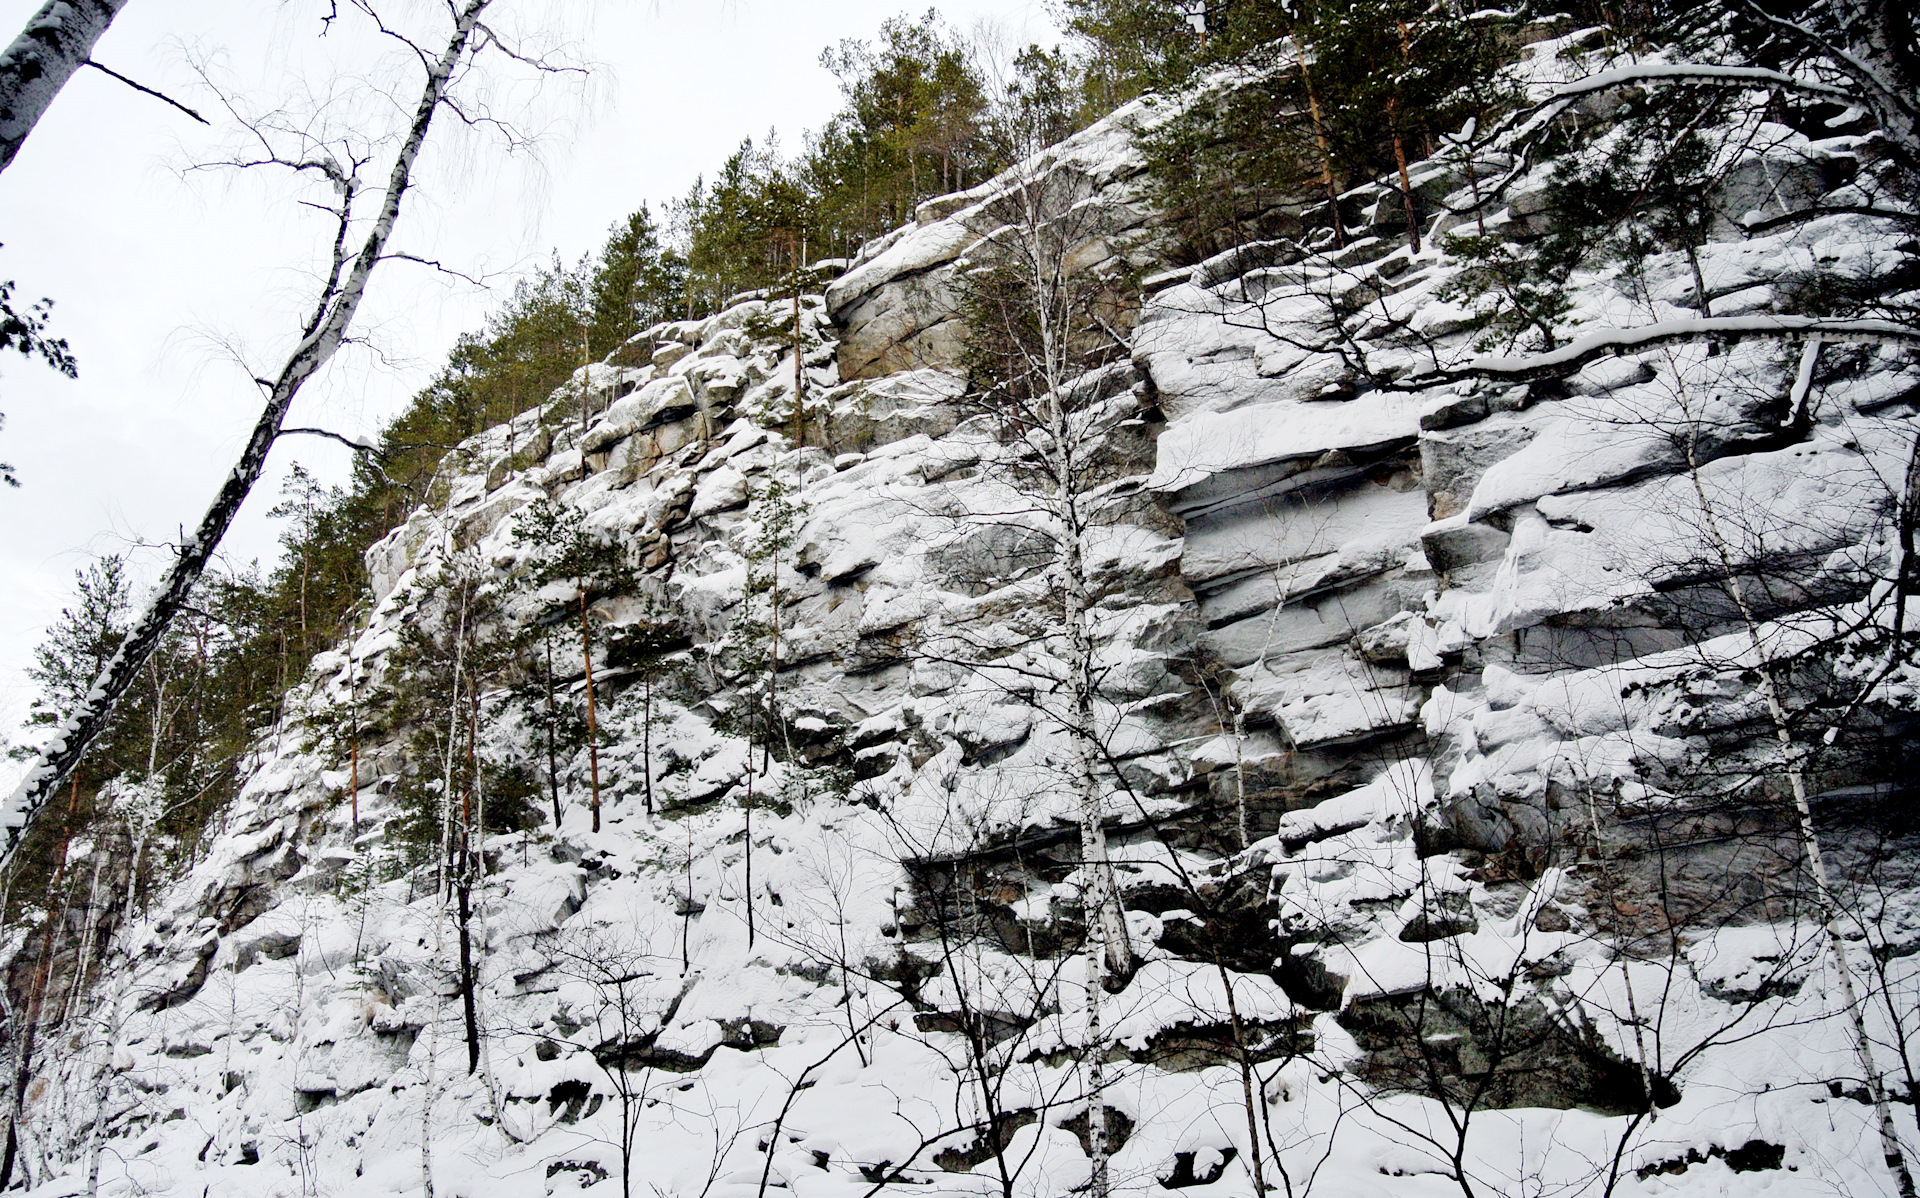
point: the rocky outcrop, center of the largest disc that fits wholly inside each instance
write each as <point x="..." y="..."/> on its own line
<point x="1432" y="736"/>
<point x="897" y="309"/>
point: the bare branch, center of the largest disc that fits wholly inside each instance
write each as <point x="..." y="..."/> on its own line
<point x="436" y="265"/>
<point x="1806" y="214"/>
<point x="1710" y="75"/>
<point x="538" y="63"/>
<point x="372" y="451"/>
<point x="113" y="74"/>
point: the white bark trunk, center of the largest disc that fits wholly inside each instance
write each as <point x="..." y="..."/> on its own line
<point x="1892" y="1154"/>
<point x="326" y="328"/>
<point x="1109" y="952"/>
<point x="56" y="43"/>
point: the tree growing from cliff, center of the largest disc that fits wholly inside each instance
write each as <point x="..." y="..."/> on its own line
<point x="1042" y="324"/>
<point x="1302" y="102"/>
<point x="648" y="648"/>
<point x="753" y="641"/>
<point x="1136" y="46"/>
<point x="560" y="729"/>
<point x="452" y="794"/>
<point x="564" y="550"/>
<point x="916" y="98"/>
<point x="639" y="281"/>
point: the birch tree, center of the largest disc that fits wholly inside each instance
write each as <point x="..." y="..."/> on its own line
<point x="1042" y="325"/>
<point x="336" y="165"/>
<point x="57" y="42"/>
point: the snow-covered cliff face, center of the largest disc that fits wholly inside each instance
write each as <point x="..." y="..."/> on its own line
<point x="1429" y="735"/>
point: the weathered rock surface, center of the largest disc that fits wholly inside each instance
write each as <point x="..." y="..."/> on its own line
<point x="1415" y="708"/>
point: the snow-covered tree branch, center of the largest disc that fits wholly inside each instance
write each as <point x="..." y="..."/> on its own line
<point x="1560" y="362"/>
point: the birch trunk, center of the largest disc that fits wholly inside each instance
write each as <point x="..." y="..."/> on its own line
<point x="326" y="328"/>
<point x="57" y="41"/>
<point x="593" y="720"/>
<point x="1892" y="1154"/>
<point x="1109" y="953"/>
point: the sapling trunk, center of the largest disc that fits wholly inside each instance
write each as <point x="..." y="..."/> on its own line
<point x="686" y="912"/>
<point x="773" y="668"/>
<point x="1700" y="298"/>
<point x="586" y="360"/>
<point x="466" y="974"/>
<point x="593" y="726"/>
<point x="465" y="876"/>
<point x="353" y="768"/>
<point x="748" y="896"/>
<point x="1892" y="1154"/>
<point x="1326" y="155"/>
<point x="553" y="767"/>
<point x="799" y="410"/>
<point x="1406" y="182"/>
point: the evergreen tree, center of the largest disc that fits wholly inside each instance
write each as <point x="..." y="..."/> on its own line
<point x="82" y="638"/>
<point x="638" y="282"/>
<point x="559" y="729"/>
<point x="566" y="551"/>
<point x="1134" y="46"/>
<point x="915" y="105"/>
<point x="1392" y="75"/>
<point x="647" y="648"/>
<point x="1315" y="98"/>
<point x="24" y="330"/>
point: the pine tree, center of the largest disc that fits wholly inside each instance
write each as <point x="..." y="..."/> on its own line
<point x="638" y="282"/>
<point x="25" y="331"/>
<point x="564" y="550"/>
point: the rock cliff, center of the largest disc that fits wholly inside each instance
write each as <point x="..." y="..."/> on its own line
<point x="1444" y="801"/>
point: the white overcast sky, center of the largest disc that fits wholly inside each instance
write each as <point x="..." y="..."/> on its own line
<point x="159" y="276"/>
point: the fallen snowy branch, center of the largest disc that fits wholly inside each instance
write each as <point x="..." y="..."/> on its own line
<point x="1767" y="225"/>
<point x="1563" y="361"/>
<point x="1745" y="78"/>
